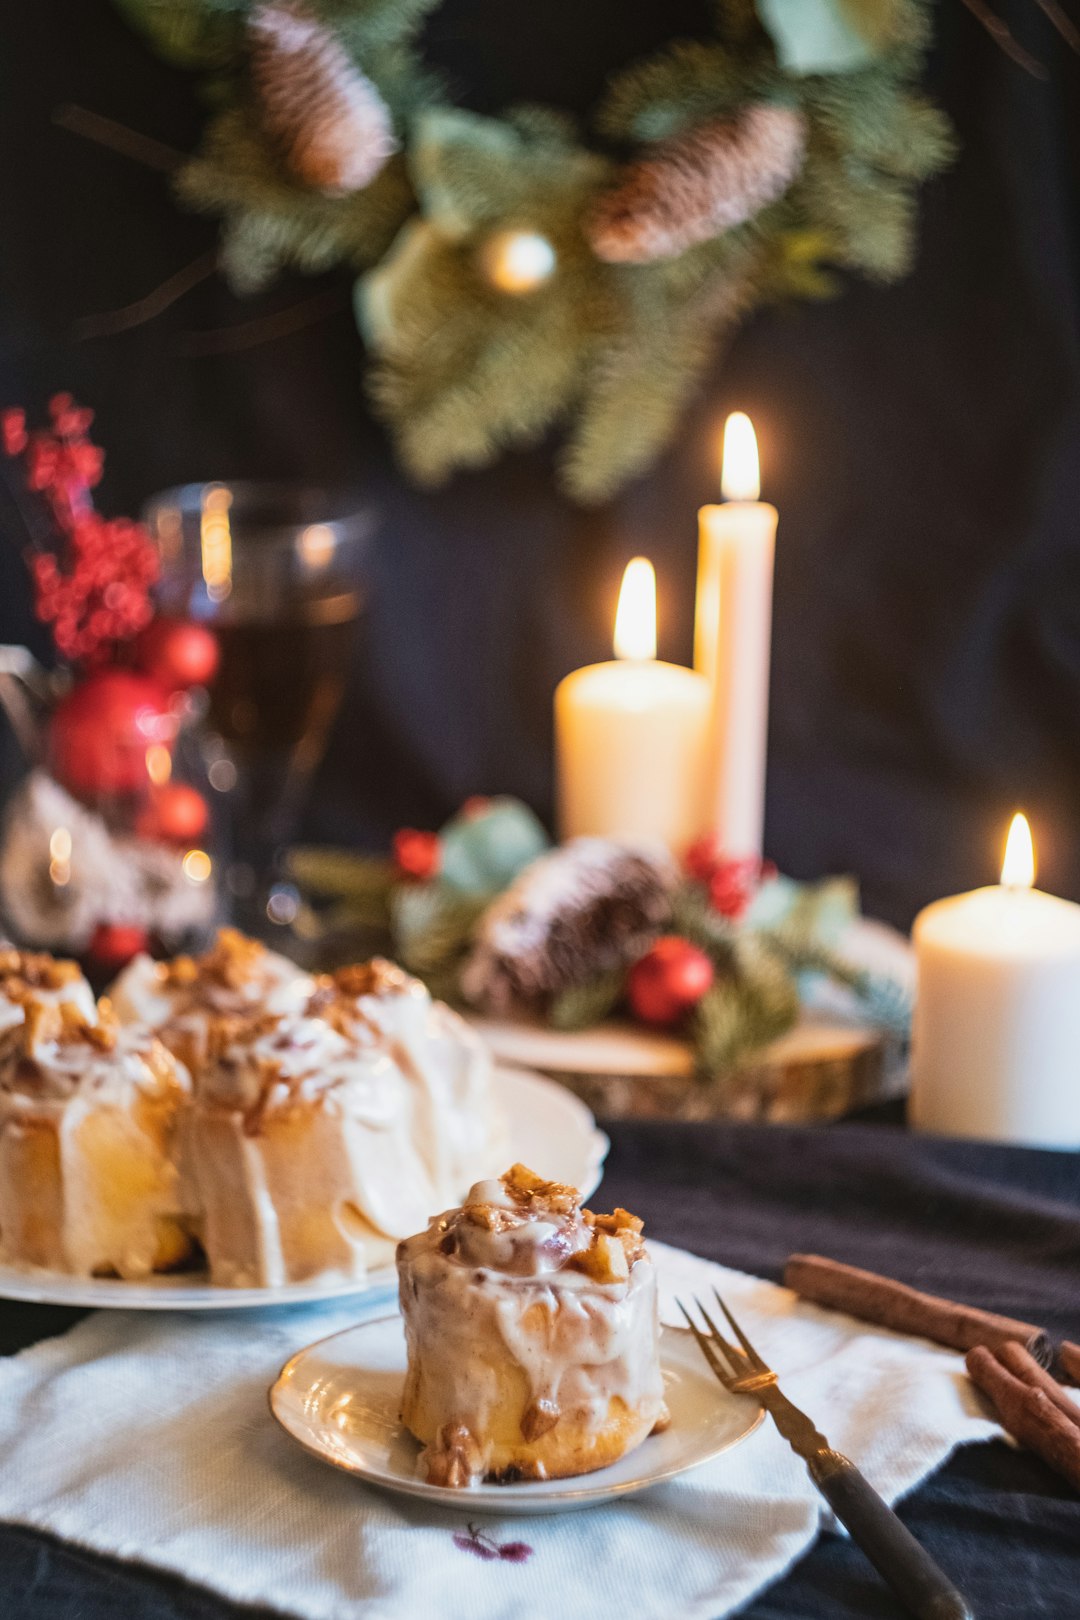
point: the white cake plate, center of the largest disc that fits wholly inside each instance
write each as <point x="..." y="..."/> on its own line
<point x="341" y="1400"/>
<point x="550" y="1130"/>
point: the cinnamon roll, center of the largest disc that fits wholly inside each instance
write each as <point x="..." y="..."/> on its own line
<point x="533" y="1334"/>
<point x="88" y="1120"/>
<point x="300" y="1147"/>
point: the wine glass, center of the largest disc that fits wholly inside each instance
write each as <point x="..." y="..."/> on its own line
<point x="276" y="571"/>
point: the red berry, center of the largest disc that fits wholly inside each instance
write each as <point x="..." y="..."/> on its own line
<point x="13" y="431"/>
<point x="112" y="945"/>
<point x="703" y="857"/>
<point x="418" y="854"/>
<point x="477" y="805"/>
<point x="175" y="812"/>
<point x="668" y="980"/>
<point x="101" y="730"/>
<point x="177" y="653"/>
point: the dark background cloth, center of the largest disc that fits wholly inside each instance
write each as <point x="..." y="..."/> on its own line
<point x="922" y="443"/>
<point x="997" y="1227"/>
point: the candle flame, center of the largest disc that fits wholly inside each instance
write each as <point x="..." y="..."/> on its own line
<point x="635" y="620"/>
<point x="1018" y="867"/>
<point x="741" y="476"/>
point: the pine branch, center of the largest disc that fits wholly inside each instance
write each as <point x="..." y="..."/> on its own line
<point x="583" y="1005"/>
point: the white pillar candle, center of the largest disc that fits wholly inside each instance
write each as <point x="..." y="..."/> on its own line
<point x="996" y="1036"/>
<point x="732" y="636"/>
<point x="630" y="734"/>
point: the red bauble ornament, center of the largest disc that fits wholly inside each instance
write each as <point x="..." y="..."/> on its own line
<point x="177" y="653"/>
<point x="417" y="854"/>
<point x="175" y="812"/>
<point x="112" y="945"/>
<point x="101" y="730"/>
<point x="667" y="981"/>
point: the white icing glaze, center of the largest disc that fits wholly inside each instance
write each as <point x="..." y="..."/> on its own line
<point x="145" y="994"/>
<point x="460" y="1125"/>
<point x="493" y="1284"/>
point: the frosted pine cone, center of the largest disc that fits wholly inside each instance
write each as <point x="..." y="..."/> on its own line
<point x="699" y="184"/>
<point x="328" y="118"/>
<point x="583" y="910"/>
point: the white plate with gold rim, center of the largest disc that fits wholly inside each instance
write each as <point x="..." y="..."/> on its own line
<point x="340" y="1399"/>
<point x="549" y="1129"/>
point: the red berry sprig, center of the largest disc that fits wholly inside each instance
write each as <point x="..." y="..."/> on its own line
<point x="731" y="882"/>
<point x="417" y="854"/>
<point x="93" y="590"/>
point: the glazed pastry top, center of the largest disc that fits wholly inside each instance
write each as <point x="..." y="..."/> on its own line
<point x="56" y="1054"/>
<point x="30" y="975"/>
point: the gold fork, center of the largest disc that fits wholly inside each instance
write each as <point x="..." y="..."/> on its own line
<point x="923" y="1588"/>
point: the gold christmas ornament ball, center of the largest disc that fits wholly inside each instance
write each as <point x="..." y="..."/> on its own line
<point x="517" y="261"/>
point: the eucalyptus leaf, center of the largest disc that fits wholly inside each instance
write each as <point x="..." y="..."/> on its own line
<point x="829" y="36"/>
<point x="484" y="850"/>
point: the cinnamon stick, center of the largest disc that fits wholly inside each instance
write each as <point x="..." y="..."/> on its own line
<point x="1015" y="1359"/>
<point x="891" y="1304"/>
<point x="1047" y="1424"/>
<point x="1069" y="1360"/>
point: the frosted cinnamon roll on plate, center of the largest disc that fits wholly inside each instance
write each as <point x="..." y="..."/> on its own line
<point x="89" y="1114"/>
<point x="533" y="1335"/>
<point x="527" y="1360"/>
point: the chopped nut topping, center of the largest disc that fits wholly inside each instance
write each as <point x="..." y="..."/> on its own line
<point x="455" y="1458"/>
<point x="538" y="1196"/>
<point x="45" y="1022"/>
<point x="231" y="962"/>
<point x="538" y="1419"/>
<point x="374" y="978"/>
<point x="605" y="1260"/>
<point x="22" y="972"/>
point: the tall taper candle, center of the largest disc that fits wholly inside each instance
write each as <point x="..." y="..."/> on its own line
<point x="732" y="638"/>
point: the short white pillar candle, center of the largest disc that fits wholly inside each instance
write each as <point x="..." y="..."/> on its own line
<point x="630" y="735"/>
<point x="996" y="1034"/>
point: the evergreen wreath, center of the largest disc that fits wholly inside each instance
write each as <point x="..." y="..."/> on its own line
<point x="511" y="277"/>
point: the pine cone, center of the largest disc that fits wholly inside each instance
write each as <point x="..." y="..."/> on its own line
<point x="332" y="125"/>
<point x="581" y="911"/>
<point x="699" y="184"/>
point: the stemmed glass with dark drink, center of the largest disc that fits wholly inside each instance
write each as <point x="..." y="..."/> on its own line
<point x="277" y="572"/>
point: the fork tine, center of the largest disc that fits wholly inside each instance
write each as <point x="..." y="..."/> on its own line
<point x="733" y="1353"/>
<point x="752" y="1355"/>
<point x="706" y="1346"/>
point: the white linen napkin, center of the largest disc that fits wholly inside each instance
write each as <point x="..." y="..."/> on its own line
<point x="148" y="1437"/>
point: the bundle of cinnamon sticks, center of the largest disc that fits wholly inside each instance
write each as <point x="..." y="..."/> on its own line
<point x="1006" y="1359"/>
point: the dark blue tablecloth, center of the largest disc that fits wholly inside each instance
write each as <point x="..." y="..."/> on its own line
<point x="995" y="1226"/>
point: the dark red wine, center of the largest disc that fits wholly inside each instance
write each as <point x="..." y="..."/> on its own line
<point x="280" y="682"/>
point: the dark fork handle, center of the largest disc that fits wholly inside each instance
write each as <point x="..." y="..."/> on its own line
<point x="900" y="1560"/>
